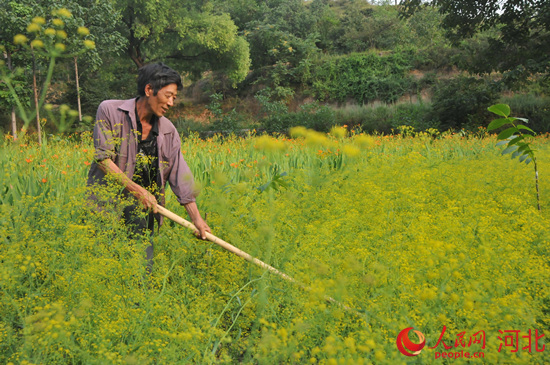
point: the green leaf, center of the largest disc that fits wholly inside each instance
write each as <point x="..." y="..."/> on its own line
<point x="524" y="147"/>
<point x="518" y="153"/>
<point x="526" y="128"/>
<point x="501" y="143"/>
<point x="497" y="123"/>
<point x="509" y="149"/>
<point x="515" y="140"/>
<point x="529" y="159"/>
<point x="507" y="133"/>
<point x="500" y="109"/>
<point x="523" y="157"/>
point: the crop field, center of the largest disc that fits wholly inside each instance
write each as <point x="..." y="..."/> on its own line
<point x="438" y="233"/>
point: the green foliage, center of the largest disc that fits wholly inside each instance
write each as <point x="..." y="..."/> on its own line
<point x="413" y="115"/>
<point x="534" y="108"/>
<point x="221" y="122"/>
<point x="193" y="35"/>
<point x="386" y="118"/>
<point x="278" y="119"/>
<point x="462" y="102"/>
<point x="520" y="32"/>
<point x="515" y="138"/>
<point x="362" y="77"/>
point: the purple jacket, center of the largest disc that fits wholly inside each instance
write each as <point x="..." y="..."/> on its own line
<point x="115" y="138"/>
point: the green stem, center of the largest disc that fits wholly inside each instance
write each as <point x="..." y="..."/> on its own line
<point x="27" y="118"/>
<point x="537" y="182"/>
<point x="227" y="306"/>
<point x="18" y="102"/>
<point x="47" y="81"/>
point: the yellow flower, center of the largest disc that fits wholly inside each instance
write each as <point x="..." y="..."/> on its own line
<point x="64" y="13"/>
<point x="61" y="34"/>
<point x="296" y="132"/>
<point x="83" y="31"/>
<point x="39" y="20"/>
<point x="20" y="39"/>
<point x="89" y="44"/>
<point x="338" y="132"/>
<point x="350" y="151"/>
<point x="58" y="22"/>
<point x="33" y="28"/>
<point x="37" y="43"/>
<point x="60" y="47"/>
<point x="49" y="31"/>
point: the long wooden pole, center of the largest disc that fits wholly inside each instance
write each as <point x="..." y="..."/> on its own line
<point x="229" y="247"/>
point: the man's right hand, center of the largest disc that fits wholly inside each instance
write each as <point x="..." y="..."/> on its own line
<point x="147" y="200"/>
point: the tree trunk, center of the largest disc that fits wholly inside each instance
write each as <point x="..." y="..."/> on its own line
<point x="35" y="90"/>
<point x="135" y="55"/>
<point x="77" y="90"/>
<point x="7" y="56"/>
<point x="13" y="124"/>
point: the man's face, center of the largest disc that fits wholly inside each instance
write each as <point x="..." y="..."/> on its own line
<point x="164" y="99"/>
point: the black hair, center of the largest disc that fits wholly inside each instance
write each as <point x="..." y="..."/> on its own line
<point x="158" y="75"/>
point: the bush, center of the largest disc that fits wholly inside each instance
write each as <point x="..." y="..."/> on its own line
<point x="363" y="77"/>
<point x="313" y="116"/>
<point x="462" y="102"/>
<point x="414" y="115"/>
<point x="225" y="123"/>
<point x="383" y="118"/>
<point x="534" y="108"/>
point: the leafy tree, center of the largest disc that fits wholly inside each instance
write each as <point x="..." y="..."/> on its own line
<point x="193" y="35"/>
<point x="520" y="44"/>
<point x="462" y="102"/>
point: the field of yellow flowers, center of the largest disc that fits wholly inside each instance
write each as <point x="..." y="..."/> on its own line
<point x="435" y="232"/>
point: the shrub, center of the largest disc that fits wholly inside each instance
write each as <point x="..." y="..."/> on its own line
<point x="313" y="116"/>
<point x="462" y="102"/>
<point x="534" y="108"/>
<point x="363" y="77"/>
<point x="414" y="115"/>
<point x="382" y="118"/>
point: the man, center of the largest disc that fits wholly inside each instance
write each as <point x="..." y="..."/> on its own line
<point x="141" y="149"/>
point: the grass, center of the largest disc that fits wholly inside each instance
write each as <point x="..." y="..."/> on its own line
<point x="410" y="230"/>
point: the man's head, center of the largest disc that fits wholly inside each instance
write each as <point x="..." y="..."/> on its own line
<point x="158" y="86"/>
<point x="158" y="75"/>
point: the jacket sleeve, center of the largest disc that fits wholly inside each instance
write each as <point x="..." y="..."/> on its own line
<point x="181" y="178"/>
<point x="105" y="134"/>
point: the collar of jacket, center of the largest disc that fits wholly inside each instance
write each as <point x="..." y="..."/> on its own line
<point x="130" y="105"/>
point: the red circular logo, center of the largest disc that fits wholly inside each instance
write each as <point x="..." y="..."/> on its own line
<point x="406" y="346"/>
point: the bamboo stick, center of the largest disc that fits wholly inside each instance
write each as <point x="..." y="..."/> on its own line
<point x="229" y="247"/>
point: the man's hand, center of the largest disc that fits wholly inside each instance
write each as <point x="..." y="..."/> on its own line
<point x="195" y="216"/>
<point x="147" y="200"/>
<point x="202" y="228"/>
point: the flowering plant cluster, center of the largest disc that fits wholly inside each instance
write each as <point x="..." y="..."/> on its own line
<point x="47" y="39"/>
<point x="407" y="230"/>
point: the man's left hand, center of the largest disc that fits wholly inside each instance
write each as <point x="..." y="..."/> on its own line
<point x="202" y="228"/>
<point x="200" y="223"/>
